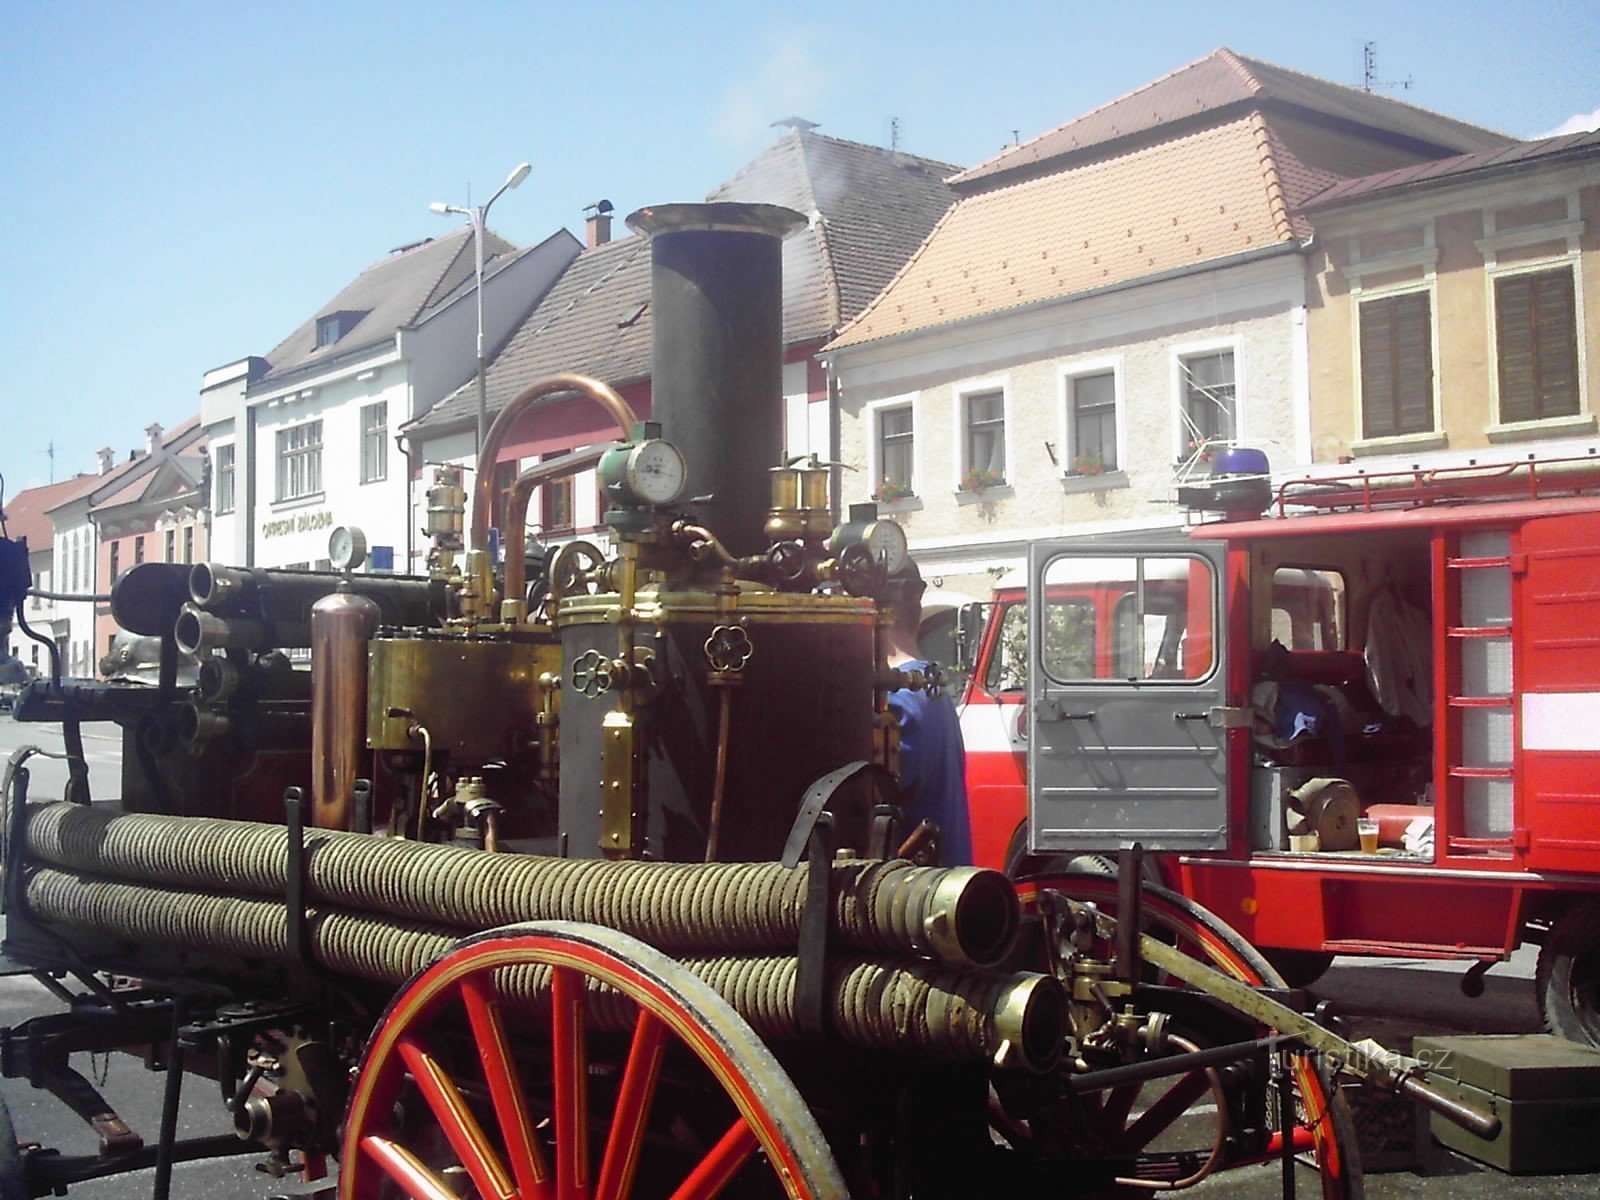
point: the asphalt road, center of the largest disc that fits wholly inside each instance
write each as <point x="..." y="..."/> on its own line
<point x="1390" y="999"/>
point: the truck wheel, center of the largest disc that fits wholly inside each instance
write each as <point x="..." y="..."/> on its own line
<point x="1568" y="976"/>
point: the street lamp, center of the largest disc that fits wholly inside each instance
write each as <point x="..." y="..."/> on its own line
<point x="477" y="216"/>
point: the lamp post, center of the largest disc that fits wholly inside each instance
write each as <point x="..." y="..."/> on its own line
<point x="477" y="216"/>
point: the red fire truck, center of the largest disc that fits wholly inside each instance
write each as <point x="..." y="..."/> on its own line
<point x="1248" y="696"/>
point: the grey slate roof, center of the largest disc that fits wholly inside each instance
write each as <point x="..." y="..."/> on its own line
<point x="1542" y="153"/>
<point x="870" y="208"/>
<point x="1216" y="82"/>
<point x="390" y="294"/>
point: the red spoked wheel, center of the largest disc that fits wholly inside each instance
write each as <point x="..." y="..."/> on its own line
<point x="1130" y="1121"/>
<point x="563" y="1061"/>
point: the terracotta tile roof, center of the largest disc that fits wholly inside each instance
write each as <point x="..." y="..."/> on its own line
<point x="27" y="513"/>
<point x="870" y="209"/>
<point x="387" y="295"/>
<point x="1544" y="152"/>
<point x="1211" y="86"/>
<point x="1205" y="195"/>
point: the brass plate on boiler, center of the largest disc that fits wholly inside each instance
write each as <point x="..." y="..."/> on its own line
<point x="477" y="697"/>
<point x="666" y="608"/>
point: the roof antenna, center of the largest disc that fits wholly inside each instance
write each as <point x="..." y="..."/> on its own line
<point x="894" y="133"/>
<point x="50" y="452"/>
<point x="1369" y="71"/>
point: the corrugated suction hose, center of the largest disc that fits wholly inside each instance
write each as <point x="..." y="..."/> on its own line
<point x="911" y="1007"/>
<point x="961" y="916"/>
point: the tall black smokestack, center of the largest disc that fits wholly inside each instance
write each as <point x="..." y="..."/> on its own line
<point x="716" y="307"/>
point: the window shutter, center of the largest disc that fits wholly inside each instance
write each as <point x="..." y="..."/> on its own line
<point x="1555" y="338"/>
<point x="1397" y="365"/>
<point x="1513" y="301"/>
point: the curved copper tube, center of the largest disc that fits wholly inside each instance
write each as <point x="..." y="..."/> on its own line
<point x="618" y="409"/>
<point x="517" y="511"/>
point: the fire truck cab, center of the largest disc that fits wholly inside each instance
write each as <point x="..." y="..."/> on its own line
<point x="1415" y="654"/>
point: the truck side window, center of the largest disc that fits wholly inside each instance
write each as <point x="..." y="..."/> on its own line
<point x="1008" y="664"/>
<point x="1308" y="608"/>
<point x="1133" y="617"/>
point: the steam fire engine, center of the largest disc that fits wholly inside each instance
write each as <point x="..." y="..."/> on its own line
<point x="586" y="876"/>
<point x="1417" y="649"/>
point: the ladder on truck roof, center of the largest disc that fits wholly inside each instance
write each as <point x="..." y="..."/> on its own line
<point x="1418" y="487"/>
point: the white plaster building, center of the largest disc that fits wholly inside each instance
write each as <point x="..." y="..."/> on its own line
<point x="1098" y="299"/>
<point x="303" y="440"/>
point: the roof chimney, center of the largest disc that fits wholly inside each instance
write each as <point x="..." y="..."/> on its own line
<point x="108" y="459"/>
<point x="597" y="224"/>
<point x="152" y="438"/>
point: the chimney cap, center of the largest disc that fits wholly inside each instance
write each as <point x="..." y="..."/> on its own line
<point x="799" y="123"/>
<point x="600" y="208"/>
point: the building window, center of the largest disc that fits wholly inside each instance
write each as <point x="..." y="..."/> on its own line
<point x="895" y="444"/>
<point x="1092" y="423"/>
<point x="329" y="329"/>
<point x="1210" y="404"/>
<point x="224" y="468"/>
<point x="116" y="560"/>
<point x="188" y="543"/>
<point x="986" y="437"/>
<point x="1397" y="365"/>
<point x="300" y="461"/>
<point x="505" y="475"/>
<point x="1537" y="333"/>
<point x="556" y="504"/>
<point x="138" y="549"/>
<point x="171" y="546"/>
<point x="374" y="442"/>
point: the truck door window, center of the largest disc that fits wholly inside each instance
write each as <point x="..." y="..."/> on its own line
<point x="1160" y="612"/>
<point x="1308" y="608"/>
<point x="1008" y="664"/>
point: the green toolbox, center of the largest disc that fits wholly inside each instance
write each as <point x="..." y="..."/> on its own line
<point x="1544" y="1089"/>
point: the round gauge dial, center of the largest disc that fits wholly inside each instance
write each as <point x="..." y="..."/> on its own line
<point x="347" y="547"/>
<point x="887" y="541"/>
<point x="656" y="471"/>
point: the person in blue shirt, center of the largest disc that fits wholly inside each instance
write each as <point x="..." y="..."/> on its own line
<point x="932" y="757"/>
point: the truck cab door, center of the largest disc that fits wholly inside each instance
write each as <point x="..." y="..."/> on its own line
<point x="1126" y="695"/>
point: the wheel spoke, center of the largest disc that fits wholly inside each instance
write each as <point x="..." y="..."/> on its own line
<point x="1118" y="1105"/>
<point x="633" y="1107"/>
<point x="505" y="1089"/>
<point x="716" y="1168"/>
<point x="571" y="1066"/>
<point x="406" y="1169"/>
<point x="456" y="1120"/>
<point x="1172" y="1104"/>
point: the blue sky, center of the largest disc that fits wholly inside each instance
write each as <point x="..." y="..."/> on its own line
<point x="187" y="183"/>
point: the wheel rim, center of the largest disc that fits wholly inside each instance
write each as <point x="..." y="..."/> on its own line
<point x="1323" y="1135"/>
<point x="481" y="1120"/>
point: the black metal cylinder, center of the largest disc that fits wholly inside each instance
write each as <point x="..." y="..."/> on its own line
<point x="285" y="597"/>
<point x="716" y="305"/>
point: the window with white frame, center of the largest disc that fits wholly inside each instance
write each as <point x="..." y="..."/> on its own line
<point x="375" y="442"/>
<point x="223" y="501"/>
<point x="300" y="460"/>
<point x="895" y="433"/>
<point x="1092" y="423"/>
<point x="1210" y="401"/>
<point x="985" y="439"/>
<point x="1536" y="335"/>
<point x="1397" y="365"/>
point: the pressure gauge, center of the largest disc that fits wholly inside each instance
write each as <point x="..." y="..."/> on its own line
<point x="884" y="540"/>
<point x="648" y="472"/>
<point x="656" y="472"/>
<point x="887" y="541"/>
<point x="347" y="547"/>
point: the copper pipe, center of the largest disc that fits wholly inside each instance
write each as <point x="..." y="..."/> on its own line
<point x="618" y="409"/>
<point x="719" y="789"/>
<point x="517" y="511"/>
<point x="342" y="625"/>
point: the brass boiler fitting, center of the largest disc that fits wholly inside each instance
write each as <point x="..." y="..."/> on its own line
<point x="514" y="604"/>
<point x="800" y="502"/>
<point x="342" y="625"/>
